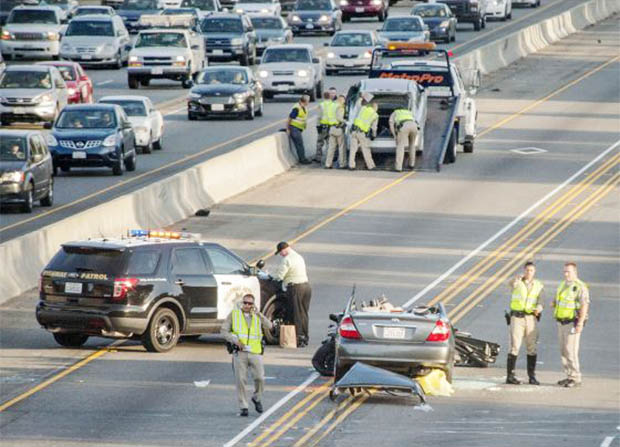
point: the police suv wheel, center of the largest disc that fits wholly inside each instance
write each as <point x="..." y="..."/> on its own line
<point x="163" y="331"/>
<point x="70" y="340"/>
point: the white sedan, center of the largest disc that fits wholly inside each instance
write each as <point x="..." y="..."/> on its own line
<point x="147" y="122"/>
<point x="271" y="7"/>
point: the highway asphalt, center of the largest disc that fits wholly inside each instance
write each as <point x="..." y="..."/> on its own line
<point x="187" y="143"/>
<point x="542" y="185"/>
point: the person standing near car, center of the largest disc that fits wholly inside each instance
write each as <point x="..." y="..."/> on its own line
<point x="292" y="273"/>
<point x="404" y="128"/>
<point x="571" y="305"/>
<point x="526" y="305"/>
<point x="243" y="328"/>
<point x="326" y="120"/>
<point x="336" y="136"/>
<point x="296" y="124"/>
<point x="363" y="131"/>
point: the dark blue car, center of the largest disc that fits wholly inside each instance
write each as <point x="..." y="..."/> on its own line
<point x="131" y="10"/>
<point x="93" y="135"/>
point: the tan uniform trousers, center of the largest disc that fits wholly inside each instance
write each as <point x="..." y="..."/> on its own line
<point x="336" y="140"/>
<point x="569" y="350"/>
<point x="405" y="139"/>
<point x="521" y="328"/>
<point x="242" y="362"/>
<point x="360" y="139"/>
<point x="321" y="140"/>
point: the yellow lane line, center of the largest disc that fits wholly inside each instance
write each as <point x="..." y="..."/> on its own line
<point x="492" y="258"/>
<point x="302" y="441"/>
<point x="51" y="380"/>
<point x="340" y="418"/>
<point x="289" y="413"/>
<point x="533" y="248"/>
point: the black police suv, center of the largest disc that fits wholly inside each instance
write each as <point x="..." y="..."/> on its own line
<point x="154" y="286"/>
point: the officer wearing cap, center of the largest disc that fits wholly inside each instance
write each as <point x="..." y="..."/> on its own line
<point x="526" y="305"/>
<point x="336" y="136"/>
<point x="404" y="128"/>
<point x="571" y="305"/>
<point x="292" y="273"/>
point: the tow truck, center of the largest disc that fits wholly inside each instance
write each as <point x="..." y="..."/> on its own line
<point x="450" y="112"/>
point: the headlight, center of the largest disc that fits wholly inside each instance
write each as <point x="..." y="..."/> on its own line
<point x="236" y="41"/>
<point x="276" y="39"/>
<point x="180" y="58"/>
<point x="71" y="91"/>
<point x="444" y="24"/>
<point x="133" y="58"/>
<point x="141" y="129"/>
<point x="295" y="18"/>
<point x="324" y="18"/>
<point x="65" y="47"/>
<point x="6" y="35"/>
<point x="264" y="11"/>
<point x="194" y="96"/>
<point x="110" y="140"/>
<point x="302" y="73"/>
<point x="240" y="97"/>
<point x="376" y="2"/>
<point x="263" y="73"/>
<point x="330" y="55"/>
<point x="344" y="2"/>
<point x="12" y="177"/>
<point x="367" y="55"/>
<point x="46" y="98"/>
<point x="51" y="140"/>
<point x="239" y="11"/>
<point x="52" y="36"/>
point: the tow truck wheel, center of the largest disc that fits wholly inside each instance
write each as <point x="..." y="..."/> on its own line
<point x="70" y="340"/>
<point x="468" y="147"/>
<point x="132" y="82"/>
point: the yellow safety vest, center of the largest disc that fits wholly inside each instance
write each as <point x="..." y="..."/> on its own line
<point x="522" y="301"/>
<point x="326" y="112"/>
<point x="403" y="115"/>
<point x="567" y="300"/>
<point x="251" y="336"/>
<point x="300" y="121"/>
<point x="365" y="118"/>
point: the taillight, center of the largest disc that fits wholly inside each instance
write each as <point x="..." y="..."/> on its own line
<point x="441" y="332"/>
<point x="348" y="330"/>
<point x="122" y="286"/>
<point x="40" y="284"/>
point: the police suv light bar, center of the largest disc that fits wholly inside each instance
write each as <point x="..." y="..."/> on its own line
<point x="161" y="234"/>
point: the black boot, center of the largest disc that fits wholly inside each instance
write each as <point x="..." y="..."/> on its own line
<point x="511" y="361"/>
<point x="531" y="369"/>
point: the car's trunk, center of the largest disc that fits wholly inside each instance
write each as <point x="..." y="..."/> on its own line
<point x="394" y="326"/>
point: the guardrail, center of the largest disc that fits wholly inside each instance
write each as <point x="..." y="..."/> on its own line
<point x="167" y="201"/>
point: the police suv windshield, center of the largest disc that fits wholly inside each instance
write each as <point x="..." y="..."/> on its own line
<point x="90" y="28"/>
<point x="25" y="79"/>
<point x="352" y="40"/>
<point x="34" y="17"/>
<point x="176" y="40"/>
<point x="86" y="119"/>
<point x="286" y="55"/>
<point x="403" y="24"/>
<point x="216" y="25"/>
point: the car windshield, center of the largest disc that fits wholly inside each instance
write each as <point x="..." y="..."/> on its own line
<point x="90" y="11"/>
<point x="131" y="108"/>
<point x="7" y="5"/>
<point x="203" y="5"/>
<point x="178" y="11"/>
<point x="86" y="119"/>
<point x="67" y="72"/>
<point x="286" y="55"/>
<point x="34" y="16"/>
<point x="313" y="5"/>
<point x="267" y="23"/>
<point x="12" y="148"/>
<point x="405" y="24"/>
<point x="175" y="40"/>
<point x="429" y="11"/>
<point x="221" y="26"/>
<point x="93" y="28"/>
<point x="223" y="76"/>
<point x="352" y="40"/>
<point x="139" y="5"/>
<point x="25" y="79"/>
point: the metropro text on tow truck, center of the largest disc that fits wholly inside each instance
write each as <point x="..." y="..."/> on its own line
<point x="423" y="79"/>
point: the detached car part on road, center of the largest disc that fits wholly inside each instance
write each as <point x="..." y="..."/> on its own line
<point x="153" y="286"/>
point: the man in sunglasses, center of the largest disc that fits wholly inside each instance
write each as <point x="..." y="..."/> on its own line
<point x="243" y="328"/>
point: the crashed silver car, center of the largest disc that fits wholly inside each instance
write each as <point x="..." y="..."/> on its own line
<point x="406" y="341"/>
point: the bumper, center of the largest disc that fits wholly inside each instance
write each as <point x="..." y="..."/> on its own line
<point x="28" y="114"/>
<point x="440" y="33"/>
<point x="361" y="11"/>
<point x="225" y="54"/>
<point x="175" y="73"/>
<point x="98" y="157"/>
<point x="12" y="193"/>
<point x="347" y="64"/>
<point x="89" y="59"/>
<point x="30" y="48"/>
<point x="142" y="138"/>
<point x="198" y="108"/>
<point x="495" y="10"/>
<point x="119" y="324"/>
<point x="309" y="28"/>
<point x="287" y="85"/>
<point x="468" y="17"/>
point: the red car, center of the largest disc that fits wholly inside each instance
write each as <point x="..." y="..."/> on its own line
<point x="78" y="83"/>
<point x="364" y="8"/>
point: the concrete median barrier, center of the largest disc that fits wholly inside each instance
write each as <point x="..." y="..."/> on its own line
<point x="170" y="200"/>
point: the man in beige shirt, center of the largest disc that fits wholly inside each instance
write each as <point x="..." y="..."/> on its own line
<point x="292" y="273"/>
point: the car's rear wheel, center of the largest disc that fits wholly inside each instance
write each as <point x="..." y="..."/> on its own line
<point x="149" y="147"/>
<point x="163" y="331"/>
<point x="29" y="199"/>
<point x="70" y="340"/>
<point x="130" y="163"/>
<point x="48" y="200"/>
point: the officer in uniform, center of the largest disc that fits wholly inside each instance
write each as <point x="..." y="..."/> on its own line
<point x="336" y="136"/>
<point x="243" y="328"/>
<point x="571" y="304"/>
<point x="296" y="124"/>
<point x="404" y="128"/>
<point x="325" y="122"/>
<point x="364" y="129"/>
<point x="292" y="273"/>
<point x="525" y="309"/>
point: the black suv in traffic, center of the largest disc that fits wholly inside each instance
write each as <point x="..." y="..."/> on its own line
<point x="229" y="37"/>
<point x="154" y="286"/>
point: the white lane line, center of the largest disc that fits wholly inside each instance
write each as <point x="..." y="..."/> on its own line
<point x="109" y="81"/>
<point x="272" y="410"/>
<point x="174" y="112"/>
<point x="607" y="441"/>
<point x="509" y="226"/>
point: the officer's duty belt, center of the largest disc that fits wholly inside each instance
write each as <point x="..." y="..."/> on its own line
<point x="518" y="314"/>
<point x="565" y="322"/>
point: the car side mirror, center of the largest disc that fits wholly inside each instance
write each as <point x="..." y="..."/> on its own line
<point x="326" y="44"/>
<point x="47" y="125"/>
<point x="260" y="264"/>
<point x="316" y="60"/>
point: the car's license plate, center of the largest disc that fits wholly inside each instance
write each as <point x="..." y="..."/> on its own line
<point x="309" y="26"/>
<point x="157" y="71"/>
<point x="393" y="332"/>
<point x="217" y="107"/>
<point x="359" y="9"/>
<point x="86" y="57"/>
<point x="349" y="64"/>
<point x="218" y="52"/>
<point x="79" y="155"/>
<point x="282" y="88"/>
<point x="73" y="287"/>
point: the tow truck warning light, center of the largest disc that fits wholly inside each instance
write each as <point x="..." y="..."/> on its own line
<point x="411" y="46"/>
<point x="158" y="234"/>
